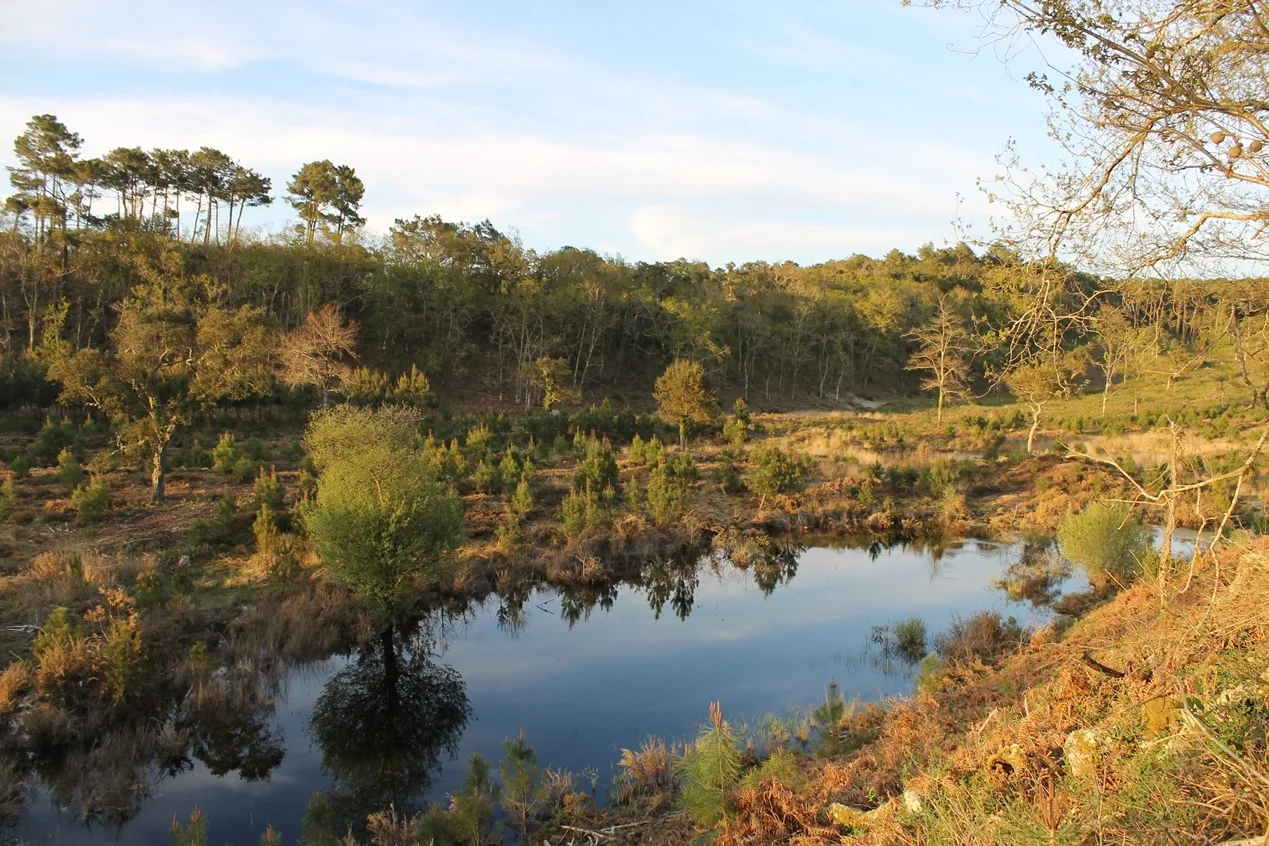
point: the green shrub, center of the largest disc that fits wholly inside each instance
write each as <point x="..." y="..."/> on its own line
<point x="59" y="630"/>
<point x="711" y="771"/>
<point x="776" y="472"/>
<point x="734" y="432"/>
<point x="268" y="491"/>
<point x="573" y="510"/>
<point x="904" y="640"/>
<point x="638" y="450"/>
<point x="522" y="498"/>
<point x="51" y="440"/>
<point x="1105" y="539"/>
<point x="486" y="479"/>
<point x="985" y="637"/>
<point x="8" y="496"/>
<point x="244" y="468"/>
<point x="220" y="529"/>
<point x="149" y="590"/>
<point x="68" y="469"/>
<point x="521" y="779"/>
<point x="91" y="501"/>
<point x="20" y="465"/>
<point x="597" y="467"/>
<point x="510" y="468"/>
<point x="472" y="807"/>
<point x="193" y="833"/>
<point x="226" y="454"/>
<point x="254" y="449"/>
<point x="664" y="496"/>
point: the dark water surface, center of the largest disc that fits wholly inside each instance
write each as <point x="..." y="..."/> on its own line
<point x="581" y="683"/>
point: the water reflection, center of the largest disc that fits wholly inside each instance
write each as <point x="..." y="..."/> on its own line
<point x="1037" y="575"/>
<point x="384" y="722"/>
<point x="761" y="624"/>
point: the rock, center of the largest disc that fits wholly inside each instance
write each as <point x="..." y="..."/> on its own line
<point x="1082" y="750"/>
<point x="1160" y="717"/>
<point x="1010" y="759"/>
<point x="846" y="817"/>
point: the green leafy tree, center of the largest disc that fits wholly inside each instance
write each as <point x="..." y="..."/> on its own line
<point x="681" y="396"/>
<point x="382" y="520"/>
<point x="172" y="354"/>
<point x="776" y="472"/>
<point x="1039" y="382"/>
<point x="552" y="379"/>
<point x="326" y="195"/>
<point x="46" y="154"/>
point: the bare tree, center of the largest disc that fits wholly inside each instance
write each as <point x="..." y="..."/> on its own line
<point x="943" y="352"/>
<point x="1041" y="381"/>
<point x="316" y="352"/>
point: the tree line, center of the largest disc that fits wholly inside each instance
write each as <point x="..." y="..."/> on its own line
<point x="102" y="304"/>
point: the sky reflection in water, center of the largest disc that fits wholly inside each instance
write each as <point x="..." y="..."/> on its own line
<point x="582" y="692"/>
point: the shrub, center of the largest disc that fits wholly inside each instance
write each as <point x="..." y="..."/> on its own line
<point x="681" y="395"/>
<point x="904" y="640"/>
<point x="573" y="511"/>
<point x="268" y="491"/>
<point x="597" y="467"/>
<point x="664" y="495"/>
<point x="68" y="469"/>
<point x="984" y="637"/>
<point x="193" y="833"/>
<point x="226" y="453"/>
<point x="244" y="468"/>
<point x="776" y="472"/>
<point x="521" y="779"/>
<point x="472" y="807"/>
<point x="522" y="499"/>
<point x="636" y="453"/>
<point x="486" y="479"/>
<point x="711" y="770"/>
<point x="510" y="468"/>
<point x="20" y="465"/>
<point x="220" y="529"/>
<point x="413" y="389"/>
<point x="734" y="432"/>
<point x="1105" y="540"/>
<point x="8" y="496"/>
<point x="254" y="449"/>
<point x="51" y="440"/>
<point x="92" y="501"/>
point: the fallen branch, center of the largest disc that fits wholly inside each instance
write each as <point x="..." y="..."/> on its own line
<point x="1102" y="668"/>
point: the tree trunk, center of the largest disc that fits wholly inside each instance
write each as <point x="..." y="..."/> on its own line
<point x="1035" y="425"/>
<point x="938" y="417"/>
<point x="158" y="473"/>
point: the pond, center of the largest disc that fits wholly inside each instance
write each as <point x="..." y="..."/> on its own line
<point x="582" y="673"/>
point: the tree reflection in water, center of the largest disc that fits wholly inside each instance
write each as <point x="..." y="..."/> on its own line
<point x="384" y="721"/>
<point x="1038" y="575"/>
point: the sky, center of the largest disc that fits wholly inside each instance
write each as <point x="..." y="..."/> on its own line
<point x="714" y="130"/>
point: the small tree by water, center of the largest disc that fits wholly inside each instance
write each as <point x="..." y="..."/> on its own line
<point x="382" y="520"/>
<point x="1105" y="539"/>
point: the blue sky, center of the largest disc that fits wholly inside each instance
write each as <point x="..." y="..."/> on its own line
<point x="723" y="131"/>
